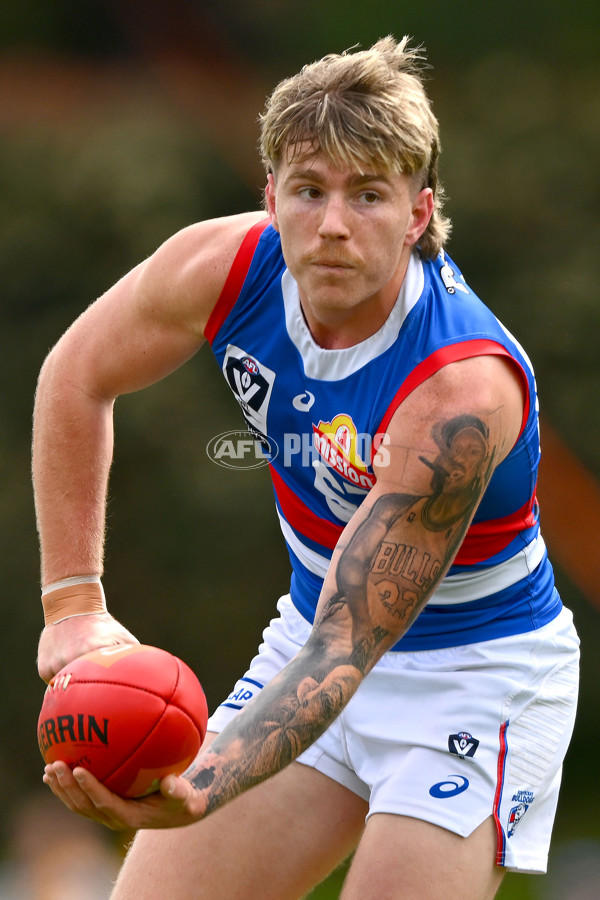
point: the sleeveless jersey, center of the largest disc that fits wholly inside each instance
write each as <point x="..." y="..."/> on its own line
<point x="322" y="414"/>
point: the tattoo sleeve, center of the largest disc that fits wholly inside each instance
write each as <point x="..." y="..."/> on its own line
<point x="380" y="579"/>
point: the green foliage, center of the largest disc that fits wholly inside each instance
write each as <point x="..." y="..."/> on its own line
<point x="519" y="137"/>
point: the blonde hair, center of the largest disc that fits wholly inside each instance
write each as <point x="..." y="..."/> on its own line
<point x="364" y="108"/>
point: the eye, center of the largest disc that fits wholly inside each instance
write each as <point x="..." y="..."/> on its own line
<point x="369" y="198"/>
<point x="310" y="193"/>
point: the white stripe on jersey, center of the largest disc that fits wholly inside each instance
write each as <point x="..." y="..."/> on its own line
<point x="311" y="560"/>
<point x="467" y="586"/>
<point x="461" y="588"/>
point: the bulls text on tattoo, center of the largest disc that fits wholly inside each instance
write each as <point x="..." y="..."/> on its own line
<point x="399" y="560"/>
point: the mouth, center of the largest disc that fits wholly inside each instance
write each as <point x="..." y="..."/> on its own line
<point x="333" y="264"/>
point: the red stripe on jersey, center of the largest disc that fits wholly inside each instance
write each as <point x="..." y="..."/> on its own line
<point x="437" y="361"/>
<point x="235" y="280"/>
<point x="303" y="519"/>
<point x="484" y="539"/>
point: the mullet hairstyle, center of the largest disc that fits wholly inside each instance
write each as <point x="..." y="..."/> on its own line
<point x="363" y="109"/>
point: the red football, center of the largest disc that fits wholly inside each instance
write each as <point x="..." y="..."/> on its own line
<point x="129" y="714"/>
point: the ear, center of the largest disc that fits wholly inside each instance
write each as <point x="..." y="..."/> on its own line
<point x="421" y="213"/>
<point x="270" y="192"/>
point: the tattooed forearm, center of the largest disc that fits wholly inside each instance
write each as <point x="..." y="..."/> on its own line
<point x="382" y="576"/>
<point x="288" y="715"/>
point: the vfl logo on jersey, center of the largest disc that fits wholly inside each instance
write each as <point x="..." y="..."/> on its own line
<point x="251" y="383"/>
<point x="336" y="442"/>
<point x="463" y="744"/>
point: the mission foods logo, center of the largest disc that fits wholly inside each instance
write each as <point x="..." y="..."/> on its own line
<point x="337" y="443"/>
<point x="241" y="450"/>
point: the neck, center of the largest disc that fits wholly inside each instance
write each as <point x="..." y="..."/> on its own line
<point x="336" y="327"/>
<point x="335" y="330"/>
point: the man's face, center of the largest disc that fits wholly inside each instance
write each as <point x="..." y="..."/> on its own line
<point x="346" y="237"/>
<point x="462" y="461"/>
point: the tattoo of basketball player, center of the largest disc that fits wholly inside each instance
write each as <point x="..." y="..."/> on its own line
<point x="460" y="471"/>
<point x="397" y="556"/>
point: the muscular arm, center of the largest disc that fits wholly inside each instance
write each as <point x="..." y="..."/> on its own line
<point x="390" y="559"/>
<point x="144" y="327"/>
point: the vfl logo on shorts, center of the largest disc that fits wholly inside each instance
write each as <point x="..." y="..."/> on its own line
<point x="462" y="744"/>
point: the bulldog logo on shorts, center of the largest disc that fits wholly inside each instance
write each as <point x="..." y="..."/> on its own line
<point x="515" y="816"/>
<point x="523" y="799"/>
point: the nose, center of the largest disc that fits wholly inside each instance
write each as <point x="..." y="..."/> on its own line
<point x="334" y="219"/>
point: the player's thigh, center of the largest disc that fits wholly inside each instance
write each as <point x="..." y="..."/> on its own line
<point x="400" y="857"/>
<point x="274" y="842"/>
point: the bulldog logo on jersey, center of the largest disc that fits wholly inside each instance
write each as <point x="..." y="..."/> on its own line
<point x="251" y="383"/>
<point x="337" y="444"/>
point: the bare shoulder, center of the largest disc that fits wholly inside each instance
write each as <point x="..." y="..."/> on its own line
<point x="188" y="271"/>
<point x="484" y="382"/>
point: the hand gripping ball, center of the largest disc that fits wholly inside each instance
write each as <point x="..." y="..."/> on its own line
<point x="129" y="714"/>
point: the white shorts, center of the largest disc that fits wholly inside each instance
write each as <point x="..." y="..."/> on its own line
<point x="449" y="736"/>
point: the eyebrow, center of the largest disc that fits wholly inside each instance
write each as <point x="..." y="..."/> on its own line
<point x="357" y="180"/>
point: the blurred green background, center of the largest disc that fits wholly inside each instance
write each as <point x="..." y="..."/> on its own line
<point x="121" y="122"/>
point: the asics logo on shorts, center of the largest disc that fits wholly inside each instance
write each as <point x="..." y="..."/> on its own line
<point x="453" y="785"/>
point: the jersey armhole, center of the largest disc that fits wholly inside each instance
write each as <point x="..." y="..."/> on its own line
<point x="235" y="280"/>
<point x="441" y="358"/>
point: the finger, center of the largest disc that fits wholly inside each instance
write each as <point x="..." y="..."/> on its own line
<point x="152" y="811"/>
<point x="61" y="781"/>
<point x="50" y="778"/>
<point x="72" y="791"/>
<point x="101" y="804"/>
<point x="182" y="799"/>
<point x="174" y="788"/>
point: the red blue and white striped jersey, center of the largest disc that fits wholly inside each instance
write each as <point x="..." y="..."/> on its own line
<point x="324" y="412"/>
